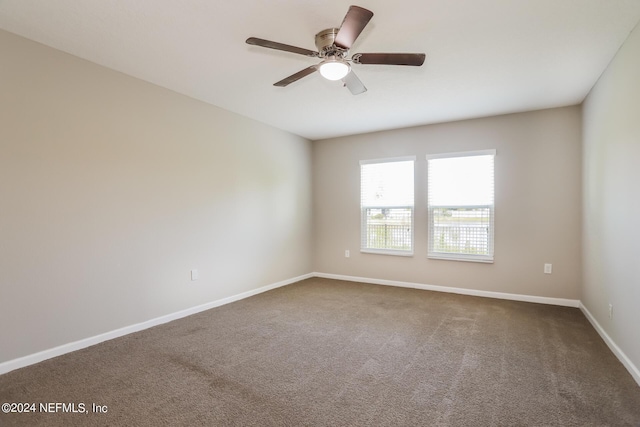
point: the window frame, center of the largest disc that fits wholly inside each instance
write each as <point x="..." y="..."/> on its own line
<point x="456" y="256"/>
<point x="363" y="209"/>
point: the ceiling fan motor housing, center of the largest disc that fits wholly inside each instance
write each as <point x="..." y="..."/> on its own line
<point x="324" y="43"/>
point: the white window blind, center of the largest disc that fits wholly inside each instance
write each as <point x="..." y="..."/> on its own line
<point x="461" y="205"/>
<point x="386" y="202"/>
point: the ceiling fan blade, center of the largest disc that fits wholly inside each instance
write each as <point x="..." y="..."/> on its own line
<point x="297" y="76"/>
<point x="354" y="22"/>
<point x="353" y="83"/>
<point x="415" y="59"/>
<point x="280" y="46"/>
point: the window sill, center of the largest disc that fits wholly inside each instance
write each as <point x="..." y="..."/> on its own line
<point x="386" y="252"/>
<point x="463" y="258"/>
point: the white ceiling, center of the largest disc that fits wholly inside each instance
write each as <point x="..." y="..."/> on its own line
<point x="484" y="57"/>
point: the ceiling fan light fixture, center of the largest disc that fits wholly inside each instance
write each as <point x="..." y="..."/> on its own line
<point x="334" y="69"/>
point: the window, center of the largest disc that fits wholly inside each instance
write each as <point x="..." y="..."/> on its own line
<point x="386" y="202"/>
<point x="460" y="205"/>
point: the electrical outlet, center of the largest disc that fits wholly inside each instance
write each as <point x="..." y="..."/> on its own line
<point x="195" y="275"/>
<point x="610" y="311"/>
<point x="347" y="254"/>
<point x="548" y="268"/>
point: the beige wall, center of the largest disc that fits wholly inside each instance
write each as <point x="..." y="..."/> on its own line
<point x="113" y="189"/>
<point x="612" y="199"/>
<point x="538" y="202"/>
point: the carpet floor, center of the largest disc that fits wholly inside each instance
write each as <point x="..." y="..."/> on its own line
<point x="331" y="353"/>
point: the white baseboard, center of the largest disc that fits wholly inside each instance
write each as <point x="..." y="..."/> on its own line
<point x="463" y="291"/>
<point x="633" y="370"/>
<point x="87" y="342"/>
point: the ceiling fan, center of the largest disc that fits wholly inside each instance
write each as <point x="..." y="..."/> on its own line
<point x="333" y="46"/>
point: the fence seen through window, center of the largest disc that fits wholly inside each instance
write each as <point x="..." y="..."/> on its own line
<point x="388" y="228"/>
<point x="461" y="230"/>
